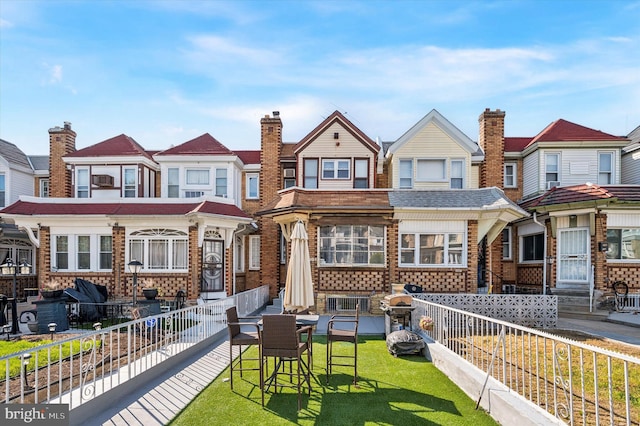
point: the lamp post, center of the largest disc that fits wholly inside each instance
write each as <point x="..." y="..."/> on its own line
<point x="6" y="329"/>
<point x="52" y="329"/>
<point x="25" y="366"/>
<point x="134" y="268"/>
<point x="10" y="268"/>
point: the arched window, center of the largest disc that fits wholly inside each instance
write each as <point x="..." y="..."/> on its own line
<point x="159" y="249"/>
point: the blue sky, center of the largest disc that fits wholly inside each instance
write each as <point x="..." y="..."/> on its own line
<point x="164" y="72"/>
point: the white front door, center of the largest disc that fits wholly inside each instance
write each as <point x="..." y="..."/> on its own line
<point x="573" y="258"/>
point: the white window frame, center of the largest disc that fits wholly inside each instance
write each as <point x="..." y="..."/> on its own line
<point x="73" y="252"/>
<point x="251" y="192"/>
<point x="82" y="182"/>
<point x="222" y="183"/>
<point x="254" y="252"/>
<point x="448" y="252"/>
<point x="423" y="165"/>
<point x="44" y="188"/>
<point x="608" y="173"/>
<point x="146" y="241"/>
<point x="405" y="174"/>
<point x="129" y="189"/>
<point x="619" y="246"/>
<point x="507" y="246"/>
<point x="340" y="169"/>
<point x="361" y="172"/>
<point x="173" y="182"/>
<point x="462" y="173"/>
<point x="311" y="173"/>
<point x="330" y="237"/>
<point x="547" y="155"/>
<point x="513" y="175"/>
<point x="521" y="240"/>
<point x="197" y="177"/>
<point x="108" y="253"/>
<point x="86" y="253"/>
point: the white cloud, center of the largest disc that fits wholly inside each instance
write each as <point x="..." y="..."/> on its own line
<point x="5" y="24"/>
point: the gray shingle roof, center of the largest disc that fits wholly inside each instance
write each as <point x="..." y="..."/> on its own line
<point x="483" y="198"/>
<point x="40" y="162"/>
<point x="13" y="154"/>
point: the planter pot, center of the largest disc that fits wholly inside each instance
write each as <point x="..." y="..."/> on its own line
<point x="51" y="294"/>
<point x="150" y="293"/>
<point x="33" y="326"/>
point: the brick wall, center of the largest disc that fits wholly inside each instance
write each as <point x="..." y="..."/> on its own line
<point x="492" y="142"/>
<point x="62" y="141"/>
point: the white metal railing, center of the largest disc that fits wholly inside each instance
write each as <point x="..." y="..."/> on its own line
<point x="576" y="382"/>
<point x="77" y="369"/>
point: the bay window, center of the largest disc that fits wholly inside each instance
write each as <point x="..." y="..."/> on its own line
<point x="623" y="244"/>
<point x="432" y="249"/>
<point x="159" y="249"/>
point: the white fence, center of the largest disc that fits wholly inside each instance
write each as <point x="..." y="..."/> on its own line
<point x="77" y="369"/>
<point x="575" y="382"/>
<point x="527" y="310"/>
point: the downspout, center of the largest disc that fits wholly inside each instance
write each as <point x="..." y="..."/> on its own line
<point x="544" y="263"/>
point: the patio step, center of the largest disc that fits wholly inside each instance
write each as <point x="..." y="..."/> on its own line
<point x="275" y="307"/>
<point x="575" y="304"/>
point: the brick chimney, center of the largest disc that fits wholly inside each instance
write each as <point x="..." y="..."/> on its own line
<point x="491" y="140"/>
<point x="270" y="184"/>
<point x="62" y="141"/>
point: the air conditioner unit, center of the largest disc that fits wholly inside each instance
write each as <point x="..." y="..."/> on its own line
<point x="553" y="183"/>
<point x="289" y="173"/>
<point x="102" y="180"/>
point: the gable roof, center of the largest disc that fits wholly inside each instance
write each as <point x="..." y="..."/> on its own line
<point x="14" y="155"/>
<point x="204" y="144"/>
<point x="337" y="117"/>
<point x="249" y="157"/>
<point x="564" y="197"/>
<point x="565" y="131"/>
<point x="438" y="119"/>
<point x="117" y="146"/>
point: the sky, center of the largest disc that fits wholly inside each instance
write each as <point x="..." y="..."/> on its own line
<point x="165" y="72"/>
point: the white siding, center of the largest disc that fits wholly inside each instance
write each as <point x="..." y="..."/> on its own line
<point x="438" y="226"/>
<point x="21" y="184"/>
<point x="623" y="220"/>
<point x="630" y="170"/>
<point x="433" y="143"/>
<point x="530" y="174"/>
<point x="474" y="177"/>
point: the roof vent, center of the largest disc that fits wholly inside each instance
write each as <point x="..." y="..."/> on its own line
<point x="67" y="125"/>
<point x="276" y="114"/>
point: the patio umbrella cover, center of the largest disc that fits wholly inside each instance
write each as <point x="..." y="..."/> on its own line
<point x="298" y="291"/>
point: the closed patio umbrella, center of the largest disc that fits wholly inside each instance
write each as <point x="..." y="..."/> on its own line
<point x="298" y="290"/>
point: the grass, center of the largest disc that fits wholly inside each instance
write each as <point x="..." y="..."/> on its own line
<point x="407" y="390"/>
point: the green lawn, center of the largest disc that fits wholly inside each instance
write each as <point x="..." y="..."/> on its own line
<point x="406" y="390"/>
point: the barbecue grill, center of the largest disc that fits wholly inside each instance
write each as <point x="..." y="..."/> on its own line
<point x="397" y="309"/>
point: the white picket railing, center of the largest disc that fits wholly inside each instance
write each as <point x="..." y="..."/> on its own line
<point x="77" y="369"/>
<point x="575" y="382"/>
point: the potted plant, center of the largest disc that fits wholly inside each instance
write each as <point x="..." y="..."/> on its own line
<point x="150" y="290"/>
<point x="426" y="323"/>
<point x="51" y="289"/>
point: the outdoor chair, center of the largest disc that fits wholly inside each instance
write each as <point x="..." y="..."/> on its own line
<point x="281" y="340"/>
<point x="240" y="337"/>
<point x="343" y="328"/>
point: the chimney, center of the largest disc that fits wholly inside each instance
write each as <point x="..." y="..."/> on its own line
<point x="491" y="141"/>
<point x="62" y="141"/>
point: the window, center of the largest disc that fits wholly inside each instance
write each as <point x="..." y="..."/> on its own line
<point x="510" y="175"/>
<point x="159" y="249"/>
<point x="506" y="243"/>
<point x="197" y="177"/>
<point x="457" y="174"/>
<point x="106" y="252"/>
<point x="221" y="182"/>
<point x="361" y="173"/>
<point x="239" y="253"/>
<point x="130" y="183"/>
<point x="623" y="244"/>
<point x="552" y="168"/>
<point x="252" y="186"/>
<point x="44" y="188"/>
<point x="432" y="249"/>
<point x="62" y="252"/>
<point x="532" y="248"/>
<point x="605" y="168"/>
<point x="254" y="252"/>
<point x="289" y="177"/>
<point x="82" y="183"/>
<point x="311" y="173"/>
<point x="173" y="182"/>
<point x="335" y="169"/>
<point x="430" y="170"/>
<point x="406" y="173"/>
<point x="3" y="191"/>
<point x="83" y="246"/>
<point x="346" y="245"/>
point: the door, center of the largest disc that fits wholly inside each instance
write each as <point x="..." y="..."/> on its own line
<point x="573" y="258"/>
<point x="213" y="265"/>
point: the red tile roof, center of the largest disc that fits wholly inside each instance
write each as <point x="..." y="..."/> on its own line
<point x="202" y="145"/>
<point x="160" y="208"/>
<point x="515" y="144"/>
<point x="249" y="157"/>
<point x="118" y="146"/>
<point x="565" y="131"/>
<point x="585" y="193"/>
<point x="354" y="200"/>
